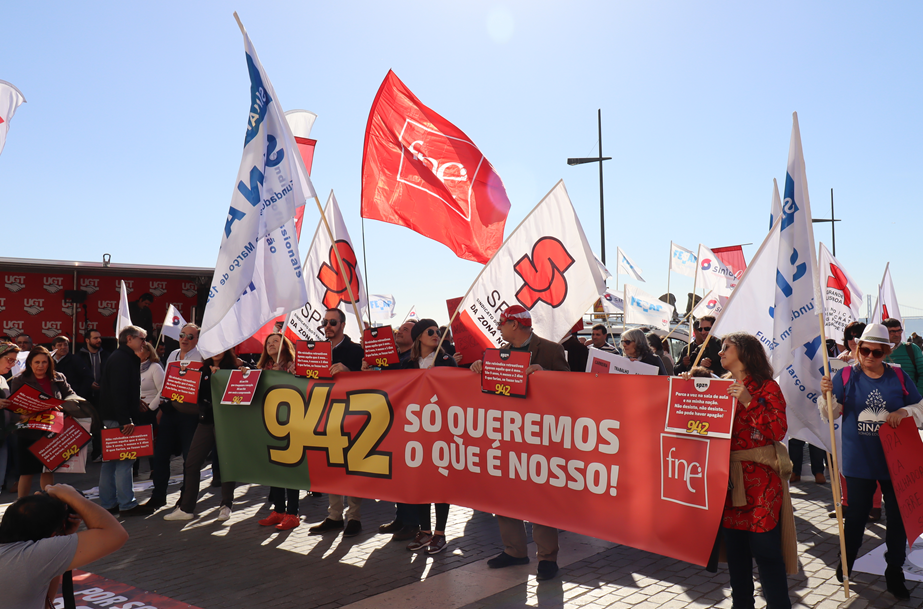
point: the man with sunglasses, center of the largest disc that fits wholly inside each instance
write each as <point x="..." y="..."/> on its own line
<point x="346" y="357"/>
<point x="710" y="359"/>
<point x="906" y="355"/>
<point x="174" y="425"/>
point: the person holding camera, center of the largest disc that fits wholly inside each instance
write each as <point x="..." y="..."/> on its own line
<point x="39" y="542"/>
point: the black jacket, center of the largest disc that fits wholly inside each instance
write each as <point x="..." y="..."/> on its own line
<point x="103" y="358"/>
<point x="442" y="359"/>
<point x="711" y="352"/>
<point x="348" y="353"/>
<point x="120" y="389"/>
<point x="78" y="375"/>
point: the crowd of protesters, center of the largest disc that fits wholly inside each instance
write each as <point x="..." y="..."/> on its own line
<point x="122" y="389"/>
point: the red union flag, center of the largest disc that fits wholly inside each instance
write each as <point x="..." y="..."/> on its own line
<point x="421" y="171"/>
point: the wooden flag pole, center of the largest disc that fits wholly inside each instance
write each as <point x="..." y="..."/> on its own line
<point x="343" y="273"/>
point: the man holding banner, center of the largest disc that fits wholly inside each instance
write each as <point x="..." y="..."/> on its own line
<point x="516" y="328"/>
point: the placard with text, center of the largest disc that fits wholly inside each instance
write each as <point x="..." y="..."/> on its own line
<point x="700" y="407"/>
<point x="119" y="447"/>
<point x="904" y="454"/>
<point x="504" y="372"/>
<point x="57" y="449"/>
<point x="380" y="348"/>
<point x="313" y="359"/>
<point x="50" y="420"/>
<point x="241" y="387"/>
<point x="29" y="400"/>
<point x="181" y="382"/>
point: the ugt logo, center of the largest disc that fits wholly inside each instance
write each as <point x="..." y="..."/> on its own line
<point x="543" y="273"/>
<point x="424" y="165"/>
<point x="89" y="285"/>
<point x="683" y="469"/>
<point x="330" y="277"/>
<point x="189" y="289"/>
<point x="53" y="285"/>
<point x="33" y="306"/>
<point x="51" y="328"/>
<point x="157" y="288"/>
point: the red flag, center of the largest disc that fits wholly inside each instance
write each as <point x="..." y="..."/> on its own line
<point x="421" y="171"/>
<point x="732" y="257"/>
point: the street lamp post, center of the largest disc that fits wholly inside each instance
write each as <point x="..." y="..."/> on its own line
<point x="831" y="220"/>
<point x="599" y="159"/>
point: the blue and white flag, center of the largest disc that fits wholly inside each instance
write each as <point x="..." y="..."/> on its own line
<point x="258" y="275"/>
<point x="628" y="267"/>
<point x="712" y="274"/>
<point x="646" y="309"/>
<point x="682" y="261"/>
<point x="173" y="322"/>
<point x="381" y="307"/>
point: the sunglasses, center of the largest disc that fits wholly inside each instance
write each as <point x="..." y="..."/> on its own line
<point x="895" y="330"/>
<point x="627" y="342"/>
<point x="333" y="323"/>
<point x="876" y="353"/>
<point x="703" y="329"/>
<point x="187" y="335"/>
<point x="431" y="331"/>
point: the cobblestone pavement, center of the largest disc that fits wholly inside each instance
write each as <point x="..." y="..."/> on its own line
<point x="240" y="564"/>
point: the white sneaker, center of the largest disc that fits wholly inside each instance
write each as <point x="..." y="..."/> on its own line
<point x="179" y="514"/>
<point x="224" y="513"/>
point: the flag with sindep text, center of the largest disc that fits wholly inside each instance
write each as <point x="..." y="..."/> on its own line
<point x="421" y="171"/>
<point x="612" y="303"/>
<point x="682" y="261"/>
<point x="271" y="184"/>
<point x="645" y="309"/>
<point x="326" y="286"/>
<point x="173" y="323"/>
<point x="711" y="304"/>
<point x="10" y="99"/>
<point x="842" y="297"/>
<point x="627" y="266"/>
<point x="124" y="318"/>
<point x="886" y="305"/>
<point x="712" y="274"/>
<point x="545" y="265"/>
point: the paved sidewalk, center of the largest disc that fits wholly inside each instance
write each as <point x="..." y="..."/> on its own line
<point x="240" y="564"/>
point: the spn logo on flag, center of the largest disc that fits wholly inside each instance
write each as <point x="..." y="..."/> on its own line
<point x="421" y="171"/>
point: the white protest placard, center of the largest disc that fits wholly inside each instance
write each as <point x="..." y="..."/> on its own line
<point x="603" y="362"/>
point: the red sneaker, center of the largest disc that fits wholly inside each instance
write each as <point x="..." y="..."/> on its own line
<point x="273" y="519"/>
<point x="290" y="521"/>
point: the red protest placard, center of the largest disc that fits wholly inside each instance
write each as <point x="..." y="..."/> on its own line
<point x="54" y="451"/>
<point x="904" y="454"/>
<point x="504" y="372"/>
<point x="380" y="348"/>
<point x="313" y="359"/>
<point x="700" y="406"/>
<point x="181" y="383"/>
<point x="119" y="447"/>
<point x="241" y="387"/>
<point x="51" y="420"/>
<point x="29" y="400"/>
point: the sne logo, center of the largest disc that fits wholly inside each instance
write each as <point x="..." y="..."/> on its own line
<point x="683" y="468"/>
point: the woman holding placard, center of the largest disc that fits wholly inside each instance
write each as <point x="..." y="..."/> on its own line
<point x="39" y="374"/>
<point x="423" y="355"/>
<point x="279" y="354"/>
<point x="637" y="349"/>
<point x="867" y="395"/>
<point x="758" y="522"/>
<point x="8" y="357"/>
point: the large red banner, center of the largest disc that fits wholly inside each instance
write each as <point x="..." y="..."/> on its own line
<point x="584" y="453"/>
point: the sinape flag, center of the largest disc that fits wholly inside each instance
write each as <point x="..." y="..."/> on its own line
<point x="545" y="265"/>
<point x="10" y="99"/>
<point x="421" y="171"/>
<point x="258" y="274"/>
<point x="325" y="284"/>
<point x="842" y="297"/>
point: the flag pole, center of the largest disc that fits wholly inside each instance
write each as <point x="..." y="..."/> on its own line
<point x="336" y="250"/>
<point x="670" y="333"/>
<point x="624" y="305"/>
<point x="695" y="280"/>
<point x="365" y="273"/>
<point x="669" y="273"/>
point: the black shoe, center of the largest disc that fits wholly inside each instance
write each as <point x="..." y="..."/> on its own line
<point x="505" y="560"/>
<point x="875" y="514"/>
<point x="405" y="533"/>
<point x="326" y="525"/>
<point x="894" y="577"/>
<point x="152" y="505"/>
<point x="316" y="494"/>
<point x="135" y="511"/>
<point x="391" y="527"/>
<point x="215" y="483"/>
<point x="352" y="528"/>
<point x="839" y="571"/>
<point x="114" y="511"/>
<point x="547" y="569"/>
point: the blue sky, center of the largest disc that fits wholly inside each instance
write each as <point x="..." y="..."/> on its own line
<point x="131" y="138"/>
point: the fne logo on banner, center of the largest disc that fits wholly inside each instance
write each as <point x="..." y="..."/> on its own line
<point x="543" y="274"/>
<point x="683" y="468"/>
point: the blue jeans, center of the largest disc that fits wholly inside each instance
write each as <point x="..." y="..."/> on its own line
<point x="115" y="481"/>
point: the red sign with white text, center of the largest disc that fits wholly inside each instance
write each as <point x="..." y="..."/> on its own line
<point x="57" y="449"/>
<point x="29" y="400"/>
<point x="50" y="420"/>
<point x="241" y="387"/>
<point x="379" y="347"/>
<point x="503" y="372"/>
<point x="181" y="382"/>
<point x="313" y="359"/>
<point x="92" y="590"/>
<point x="119" y="447"/>
<point x="904" y="454"/>
<point x="700" y="406"/>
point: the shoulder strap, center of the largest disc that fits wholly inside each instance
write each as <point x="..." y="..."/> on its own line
<point x="913" y="360"/>
<point x="901" y="375"/>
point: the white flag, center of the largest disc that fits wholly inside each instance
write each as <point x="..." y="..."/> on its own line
<point x="712" y="274"/>
<point x="546" y="266"/>
<point x="602" y="268"/>
<point x="271" y="184"/>
<point x="326" y="287"/>
<point x="886" y="305"/>
<point x="645" y="309"/>
<point x="173" y="322"/>
<point x="10" y="99"/>
<point x="381" y="307"/>
<point x="124" y="319"/>
<point x="612" y="303"/>
<point x="775" y="209"/>
<point x="842" y="297"/>
<point x="682" y="261"/>
<point x="712" y="304"/>
<point x="412" y="315"/>
<point x="626" y="265"/>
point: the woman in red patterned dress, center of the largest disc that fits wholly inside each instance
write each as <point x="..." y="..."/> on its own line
<point x="753" y="531"/>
